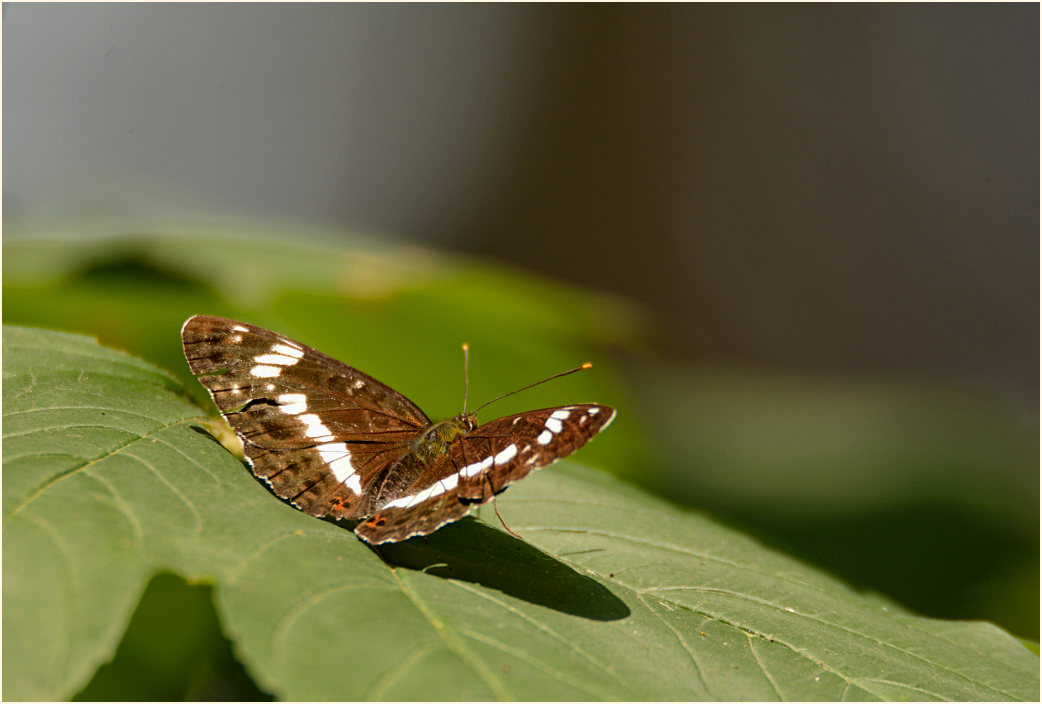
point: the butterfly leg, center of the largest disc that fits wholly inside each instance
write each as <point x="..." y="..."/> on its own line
<point x="495" y="507"/>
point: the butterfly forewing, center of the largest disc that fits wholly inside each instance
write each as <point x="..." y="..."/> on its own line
<point x="317" y="430"/>
<point x="483" y="463"/>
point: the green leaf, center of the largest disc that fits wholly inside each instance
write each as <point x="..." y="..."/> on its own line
<point x="108" y="480"/>
<point x="398" y="312"/>
<point x="923" y="490"/>
<point x="173" y="650"/>
<point x="81" y="425"/>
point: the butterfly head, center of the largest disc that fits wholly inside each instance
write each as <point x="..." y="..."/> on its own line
<point x="468" y="421"/>
<point x="460" y="425"/>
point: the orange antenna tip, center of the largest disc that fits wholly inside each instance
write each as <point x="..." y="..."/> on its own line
<point x="586" y="365"/>
<point x="466" y="346"/>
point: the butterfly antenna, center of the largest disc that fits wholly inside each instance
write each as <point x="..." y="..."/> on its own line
<point x="584" y="365"/>
<point x="466" y="379"/>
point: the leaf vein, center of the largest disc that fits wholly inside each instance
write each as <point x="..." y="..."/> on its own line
<point x="111" y="409"/>
<point x="233" y="575"/>
<point x="121" y="505"/>
<point x="85" y="426"/>
<point x="683" y="643"/>
<point x="24" y="392"/>
<point x="539" y="665"/>
<point x="198" y="518"/>
<point x="464" y="653"/>
<point x="281" y="630"/>
<point x="541" y="627"/>
<point x="763" y="668"/>
<point x="61" y="660"/>
<point x="827" y="624"/>
<point x="396" y="673"/>
<point x="859" y="682"/>
<point x="54" y="479"/>
<point x="190" y="458"/>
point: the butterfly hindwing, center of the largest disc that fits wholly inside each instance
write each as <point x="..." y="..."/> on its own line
<point x="315" y="429"/>
<point x="482" y="464"/>
<point x="524" y="442"/>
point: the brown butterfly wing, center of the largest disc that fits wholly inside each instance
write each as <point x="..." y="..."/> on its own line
<point x="481" y="464"/>
<point x="318" y="431"/>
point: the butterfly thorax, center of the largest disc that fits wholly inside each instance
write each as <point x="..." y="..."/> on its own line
<point x="437" y="439"/>
<point x="434" y="442"/>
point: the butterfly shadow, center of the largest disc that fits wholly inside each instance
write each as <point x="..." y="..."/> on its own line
<point x="471" y="551"/>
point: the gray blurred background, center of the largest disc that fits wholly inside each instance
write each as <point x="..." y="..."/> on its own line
<point x="816" y="193"/>
<point x="809" y="187"/>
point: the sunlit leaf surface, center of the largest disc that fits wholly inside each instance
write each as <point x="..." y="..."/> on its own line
<point x="109" y="478"/>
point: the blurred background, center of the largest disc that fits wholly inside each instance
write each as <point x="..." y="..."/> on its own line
<point x="825" y="217"/>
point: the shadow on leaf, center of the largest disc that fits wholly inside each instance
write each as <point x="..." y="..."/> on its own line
<point x="470" y="551"/>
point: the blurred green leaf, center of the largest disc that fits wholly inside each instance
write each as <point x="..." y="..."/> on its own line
<point x="398" y="312"/>
<point x="895" y="485"/>
<point x="173" y="650"/>
<point x="108" y="480"/>
<point x="829" y="445"/>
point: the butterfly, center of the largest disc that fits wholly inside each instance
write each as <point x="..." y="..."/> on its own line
<point x="336" y="442"/>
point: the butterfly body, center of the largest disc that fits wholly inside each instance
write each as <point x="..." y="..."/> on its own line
<point x="430" y="446"/>
<point x="336" y="442"/>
